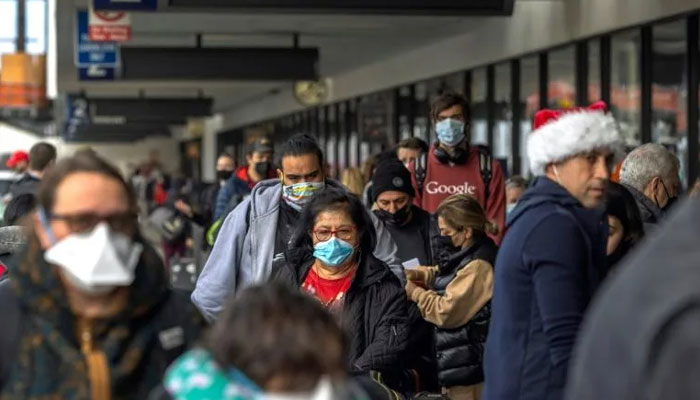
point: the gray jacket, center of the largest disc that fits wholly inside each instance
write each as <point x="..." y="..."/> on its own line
<point x="640" y="337"/>
<point x="243" y="253"/>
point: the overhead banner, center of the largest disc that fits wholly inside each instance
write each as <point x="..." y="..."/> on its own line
<point x="109" y="26"/>
<point x="125" y="5"/>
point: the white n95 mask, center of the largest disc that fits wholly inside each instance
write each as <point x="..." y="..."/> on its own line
<point x="98" y="261"/>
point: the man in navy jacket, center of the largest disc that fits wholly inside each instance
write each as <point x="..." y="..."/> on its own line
<point x="553" y="255"/>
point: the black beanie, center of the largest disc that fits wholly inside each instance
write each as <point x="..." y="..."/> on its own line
<point x="391" y="175"/>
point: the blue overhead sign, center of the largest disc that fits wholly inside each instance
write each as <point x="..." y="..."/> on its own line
<point x="104" y="5"/>
<point x="88" y="53"/>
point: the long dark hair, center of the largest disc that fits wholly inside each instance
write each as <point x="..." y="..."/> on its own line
<point x="332" y="199"/>
<point x="621" y="204"/>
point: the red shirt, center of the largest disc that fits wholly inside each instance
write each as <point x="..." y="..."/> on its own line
<point x="444" y="180"/>
<point x="330" y="292"/>
<point x="2" y="270"/>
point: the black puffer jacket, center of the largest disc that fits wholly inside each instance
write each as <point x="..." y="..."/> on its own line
<point x="375" y="311"/>
<point x="460" y="351"/>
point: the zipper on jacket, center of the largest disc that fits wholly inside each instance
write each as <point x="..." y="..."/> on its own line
<point x="96" y="362"/>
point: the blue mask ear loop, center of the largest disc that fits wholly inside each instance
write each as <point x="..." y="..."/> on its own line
<point x="44" y="219"/>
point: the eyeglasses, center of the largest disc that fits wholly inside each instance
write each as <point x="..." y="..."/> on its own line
<point x="125" y="222"/>
<point x="325" y="234"/>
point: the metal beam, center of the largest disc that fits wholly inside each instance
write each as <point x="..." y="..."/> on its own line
<point x="544" y="79"/>
<point x="151" y="109"/>
<point x="693" y="60"/>
<point x="264" y="63"/>
<point x="415" y="7"/>
<point x="647" y="78"/>
<point x="21" y="39"/>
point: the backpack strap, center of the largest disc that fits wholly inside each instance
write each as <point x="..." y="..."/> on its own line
<point x="13" y="318"/>
<point x="420" y="170"/>
<point x="485" y="168"/>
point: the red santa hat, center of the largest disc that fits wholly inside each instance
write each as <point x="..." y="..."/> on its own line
<point x="560" y="134"/>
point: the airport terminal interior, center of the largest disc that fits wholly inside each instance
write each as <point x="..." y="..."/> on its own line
<point x="481" y="195"/>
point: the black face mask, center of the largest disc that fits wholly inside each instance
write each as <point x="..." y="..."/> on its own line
<point x="398" y="218"/>
<point x="224" y="175"/>
<point x="263" y="169"/>
<point x="444" y="252"/>
<point x="670" y="201"/>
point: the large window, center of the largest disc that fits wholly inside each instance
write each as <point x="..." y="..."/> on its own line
<point x="503" y="126"/>
<point x="594" y="92"/>
<point x="479" y="107"/>
<point x="562" y="78"/>
<point x="421" y="107"/>
<point x="625" y="88"/>
<point x="529" y="104"/>
<point x="332" y="141"/>
<point x="8" y="26"/>
<point x="669" y="92"/>
<point x="342" y="138"/>
<point x="354" y="141"/>
<point x="405" y="115"/>
<point x="36" y="26"/>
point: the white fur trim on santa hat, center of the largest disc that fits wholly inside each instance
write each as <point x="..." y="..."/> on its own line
<point x="573" y="133"/>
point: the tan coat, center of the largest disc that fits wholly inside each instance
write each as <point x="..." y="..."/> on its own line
<point x="464" y="296"/>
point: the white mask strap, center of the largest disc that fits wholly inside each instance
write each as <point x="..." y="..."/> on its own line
<point x="556" y="173"/>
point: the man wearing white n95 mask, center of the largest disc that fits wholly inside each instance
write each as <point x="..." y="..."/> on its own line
<point x="89" y="300"/>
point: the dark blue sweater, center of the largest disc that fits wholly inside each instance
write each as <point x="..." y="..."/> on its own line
<point x="547" y="269"/>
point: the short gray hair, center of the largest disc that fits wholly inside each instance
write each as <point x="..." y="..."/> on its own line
<point x="647" y="161"/>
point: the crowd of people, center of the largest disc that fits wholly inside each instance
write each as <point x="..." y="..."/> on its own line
<point x="427" y="274"/>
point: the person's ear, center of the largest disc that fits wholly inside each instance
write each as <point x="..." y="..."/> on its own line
<point x="280" y="175"/>
<point x="468" y="234"/>
<point x="40" y="230"/>
<point x="652" y="187"/>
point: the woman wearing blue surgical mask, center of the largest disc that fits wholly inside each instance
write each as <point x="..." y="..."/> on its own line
<point x="88" y="309"/>
<point x="331" y="259"/>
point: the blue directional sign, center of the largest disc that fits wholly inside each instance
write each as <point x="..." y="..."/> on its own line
<point x="88" y="53"/>
<point x="107" y="5"/>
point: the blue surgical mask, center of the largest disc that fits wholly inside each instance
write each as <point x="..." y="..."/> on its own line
<point x="510" y="207"/>
<point x="299" y="194"/>
<point x="333" y="252"/>
<point x="450" y="132"/>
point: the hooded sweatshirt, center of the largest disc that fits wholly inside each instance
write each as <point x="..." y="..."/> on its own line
<point x="551" y="262"/>
<point x="243" y="253"/>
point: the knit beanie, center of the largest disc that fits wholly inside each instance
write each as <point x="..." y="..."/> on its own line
<point x="391" y="175"/>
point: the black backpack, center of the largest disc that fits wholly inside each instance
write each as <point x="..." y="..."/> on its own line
<point x="485" y="167"/>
